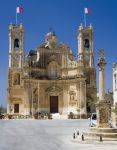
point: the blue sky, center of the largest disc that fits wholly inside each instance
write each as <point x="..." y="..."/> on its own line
<point x="64" y="17"/>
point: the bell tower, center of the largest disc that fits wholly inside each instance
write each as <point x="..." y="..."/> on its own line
<point x="16" y="46"/>
<point x="86" y="56"/>
<point x="85" y="46"/>
<point x="15" y="72"/>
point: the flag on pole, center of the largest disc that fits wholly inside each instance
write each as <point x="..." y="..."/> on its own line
<point x="87" y="11"/>
<point x="19" y="9"/>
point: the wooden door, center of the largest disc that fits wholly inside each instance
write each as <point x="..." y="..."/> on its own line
<point x="53" y="104"/>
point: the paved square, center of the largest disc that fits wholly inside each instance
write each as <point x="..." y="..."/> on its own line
<point x="47" y="135"/>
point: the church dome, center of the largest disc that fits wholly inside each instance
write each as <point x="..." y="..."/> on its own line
<point x="32" y="52"/>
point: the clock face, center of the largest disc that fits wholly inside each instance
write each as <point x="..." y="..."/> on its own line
<point x="16" y="57"/>
<point x="16" y="60"/>
<point x="86" y="60"/>
<point x="87" y="57"/>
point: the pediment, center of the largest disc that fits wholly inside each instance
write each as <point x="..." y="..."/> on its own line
<point x="53" y="88"/>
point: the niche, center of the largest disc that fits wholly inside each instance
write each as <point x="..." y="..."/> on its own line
<point x="16" y="79"/>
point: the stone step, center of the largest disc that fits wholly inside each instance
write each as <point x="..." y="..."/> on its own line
<point x="103" y="135"/>
<point x="103" y="130"/>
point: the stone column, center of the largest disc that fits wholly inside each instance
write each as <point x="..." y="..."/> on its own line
<point x="102" y="107"/>
<point x="82" y="97"/>
<point x="101" y="65"/>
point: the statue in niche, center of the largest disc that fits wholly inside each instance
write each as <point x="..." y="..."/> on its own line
<point x="72" y="98"/>
<point x="16" y="79"/>
<point x="16" y="43"/>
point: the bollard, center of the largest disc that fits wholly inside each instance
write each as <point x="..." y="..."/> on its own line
<point x="78" y="133"/>
<point x="100" y="138"/>
<point x="82" y="137"/>
<point x="74" y="136"/>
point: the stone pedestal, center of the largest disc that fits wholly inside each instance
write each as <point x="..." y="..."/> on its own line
<point x="103" y="114"/>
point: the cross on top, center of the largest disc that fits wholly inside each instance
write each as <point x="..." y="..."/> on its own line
<point x="101" y="53"/>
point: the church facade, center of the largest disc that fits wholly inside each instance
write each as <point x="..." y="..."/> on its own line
<point x="49" y="79"/>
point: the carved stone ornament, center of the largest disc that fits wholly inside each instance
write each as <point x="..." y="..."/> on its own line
<point x="53" y="88"/>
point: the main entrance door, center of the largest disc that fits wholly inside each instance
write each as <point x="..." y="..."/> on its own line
<point x="53" y="104"/>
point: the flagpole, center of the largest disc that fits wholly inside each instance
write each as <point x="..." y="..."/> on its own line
<point x="84" y="18"/>
<point x="16" y="17"/>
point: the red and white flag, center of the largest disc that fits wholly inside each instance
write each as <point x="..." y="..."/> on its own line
<point x="19" y="9"/>
<point x="87" y="11"/>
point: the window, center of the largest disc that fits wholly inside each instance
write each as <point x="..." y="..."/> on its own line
<point x="16" y="108"/>
<point x="53" y="69"/>
<point x="53" y="72"/>
<point x="16" y="43"/>
<point x="86" y="43"/>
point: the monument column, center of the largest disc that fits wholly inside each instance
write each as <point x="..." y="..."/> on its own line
<point x="101" y="65"/>
<point x="102" y="107"/>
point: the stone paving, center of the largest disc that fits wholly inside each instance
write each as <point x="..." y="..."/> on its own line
<point x="48" y="135"/>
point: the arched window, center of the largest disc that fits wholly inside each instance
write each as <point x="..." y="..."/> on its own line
<point x="86" y="43"/>
<point x="16" y="43"/>
<point x="53" y="69"/>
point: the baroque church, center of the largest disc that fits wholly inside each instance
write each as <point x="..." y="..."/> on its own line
<point x="50" y="79"/>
